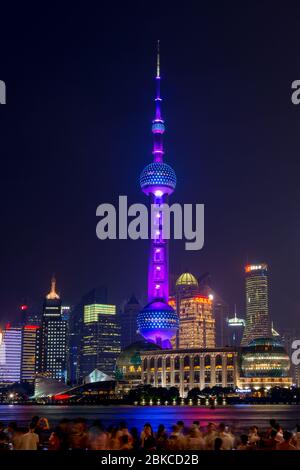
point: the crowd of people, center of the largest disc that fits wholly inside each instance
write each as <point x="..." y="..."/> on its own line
<point x="77" y="435"/>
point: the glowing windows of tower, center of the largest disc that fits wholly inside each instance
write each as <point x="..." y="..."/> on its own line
<point x="158" y="255"/>
<point x="157" y="290"/>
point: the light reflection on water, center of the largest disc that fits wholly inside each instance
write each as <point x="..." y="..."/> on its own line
<point x="238" y="416"/>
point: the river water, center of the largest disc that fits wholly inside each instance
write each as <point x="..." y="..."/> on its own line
<point x="239" y="416"/>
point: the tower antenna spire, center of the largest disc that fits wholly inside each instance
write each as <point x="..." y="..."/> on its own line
<point x="158" y="60"/>
<point x="158" y="322"/>
<point x="158" y="127"/>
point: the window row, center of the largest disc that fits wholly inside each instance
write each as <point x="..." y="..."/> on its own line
<point x="188" y="361"/>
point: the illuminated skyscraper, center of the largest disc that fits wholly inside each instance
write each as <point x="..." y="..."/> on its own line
<point x="10" y="354"/>
<point x="53" y="343"/>
<point x="100" y="341"/>
<point x="196" y="323"/>
<point x="235" y="328"/>
<point x="257" y="309"/>
<point x="158" y="322"/>
<point x="197" y="327"/>
<point x="98" y="295"/>
<point x="30" y="351"/>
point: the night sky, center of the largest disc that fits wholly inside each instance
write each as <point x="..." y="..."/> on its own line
<point x="76" y="132"/>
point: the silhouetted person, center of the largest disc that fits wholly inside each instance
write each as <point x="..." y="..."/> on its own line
<point x="218" y="443"/>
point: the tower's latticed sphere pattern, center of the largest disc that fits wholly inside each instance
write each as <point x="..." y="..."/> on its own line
<point x="158" y="322"/>
<point x="158" y="176"/>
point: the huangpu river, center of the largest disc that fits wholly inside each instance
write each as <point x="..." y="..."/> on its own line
<point x="241" y="417"/>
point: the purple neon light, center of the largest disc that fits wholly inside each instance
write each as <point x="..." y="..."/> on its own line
<point x="158" y="322"/>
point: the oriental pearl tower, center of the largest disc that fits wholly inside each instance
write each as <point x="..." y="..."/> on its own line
<point x="158" y="322"/>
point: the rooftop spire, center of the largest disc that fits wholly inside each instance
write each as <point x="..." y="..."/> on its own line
<point x="235" y="311"/>
<point x="158" y="61"/>
<point x="53" y="294"/>
<point x="158" y="127"/>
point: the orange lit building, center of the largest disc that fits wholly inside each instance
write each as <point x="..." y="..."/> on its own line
<point x="30" y="349"/>
<point x="197" y="327"/>
<point x="196" y="323"/>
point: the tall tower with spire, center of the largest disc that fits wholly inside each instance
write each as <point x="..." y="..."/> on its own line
<point x="52" y="357"/>
<point x="158" y="322"/>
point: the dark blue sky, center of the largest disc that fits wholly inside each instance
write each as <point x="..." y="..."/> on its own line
<point x="76" y="132"/>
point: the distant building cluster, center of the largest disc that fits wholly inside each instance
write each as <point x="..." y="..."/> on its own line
<point x="73" y="345"/>
<point x="185" y="339"/>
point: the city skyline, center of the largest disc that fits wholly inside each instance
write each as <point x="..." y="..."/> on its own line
<point x="149" y="249"/>
<point x="36" y="307"/>
<point x="222" y="121"/>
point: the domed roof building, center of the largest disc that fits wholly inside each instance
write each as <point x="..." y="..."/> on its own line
<point x="187" y="279"/>
<point x="265" y="363"/>
<point x="129" y="363"/>
<point x="186" y="285"/>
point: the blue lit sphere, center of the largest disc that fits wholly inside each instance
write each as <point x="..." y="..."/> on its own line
<point x="264" y="357"/>
<point x="158" y="322"/>
<point x="158" y="127"/>
<point x="158" y="175"/>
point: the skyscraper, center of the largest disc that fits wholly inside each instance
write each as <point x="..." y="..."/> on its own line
<point x="195" y="311"/>
<point x="235" y="327"/>
<point x="157" y="321"/>
<point x="30" y="349"/>
<point x="53" y="343"/>
<point x="10" y="354"/>
<point x="197" y="325"/>
<point x="100" y="342"/>
<point x="257" y="309"/>
<point x="128" y="323"/>
<point x="220" y="307"/>
<point x="98" y="295"/>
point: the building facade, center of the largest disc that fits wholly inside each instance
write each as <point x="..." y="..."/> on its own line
<point x="128" y="322"/>
<point x="97" y="295"/>
<point x="196" y="323"/>
<point x="100" y="341"/>
<point x="265" y="364"/>
<point x="10" y="354"/>
<point x="258" y="323"/>
<point x="190" y="368"/>
<point x="53" y="338"/>
<point x="30" y="352"/>
<point x="129" y="364"/>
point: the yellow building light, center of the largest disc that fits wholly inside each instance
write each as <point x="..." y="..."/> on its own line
<point x="92" y="312"/>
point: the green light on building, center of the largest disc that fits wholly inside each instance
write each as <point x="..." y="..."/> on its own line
<point x="92" y="312"/>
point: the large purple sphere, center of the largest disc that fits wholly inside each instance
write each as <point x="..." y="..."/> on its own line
<point x="158" y="323"/>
